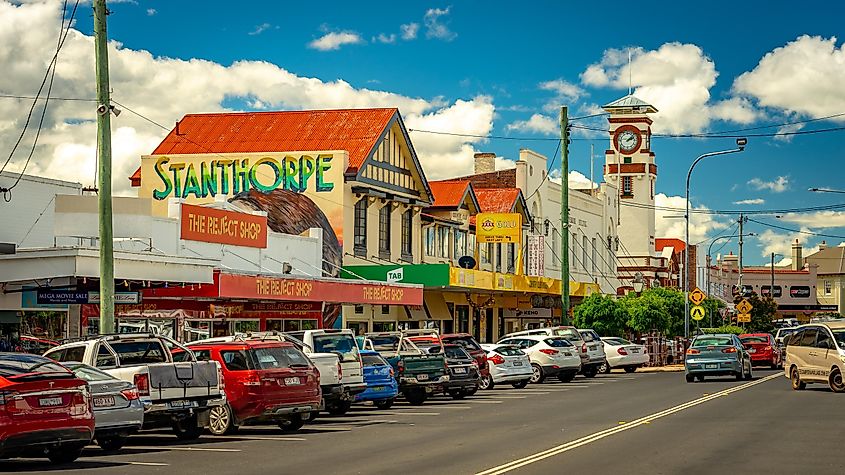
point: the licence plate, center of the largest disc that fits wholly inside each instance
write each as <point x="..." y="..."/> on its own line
<point x="711" y="366"/>
<point x="179" y="404"/>
<point x="635" y="350"/>
<point x="106" y="401"/>
<point x="423" y="377"/>
<point x="292" y="382"/>
<point x="50" y="401"/>
<point x="460" y="370"/>
<point x="517" y="363"/>
<point x="378" y="388"/>
<point x="751" y="350"/>
<point x="593" y="348"/>
<point x="565" y="354"/>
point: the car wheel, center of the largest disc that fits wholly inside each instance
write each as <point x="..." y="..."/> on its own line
<point x="293" y="424"/>
<point x="416" y="397"/>
<point x="537" y="375"/>
<point x="837" y="385"/>
<point x="187" y="428"/>
<point x="220" y="420"/>
<point x="309" y="417"/>
<point x="566" y="377"/>
<point x="797" y="384"/>
<point x="471" y="391"/>
<point x="591" y="372"/>
<point x="383" y="403"/>
<point x="690" y="378"/>
<point x="64" y="454"/>
<point x="457" y="394"/>
<point x="700" y="378"/>
<point x="520" y="384"/>
<point x="604" y="368"/>
<point x="750" y="375"/>
<point x="338" y="408"/>
<point x="630" y="369"/>
<point x="486" y="382"/>
<point x="111" y="444"/>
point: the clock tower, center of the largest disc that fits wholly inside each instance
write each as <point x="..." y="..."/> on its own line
<point x="629" y="165"/>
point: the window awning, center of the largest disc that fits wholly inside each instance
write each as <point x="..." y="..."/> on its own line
<point x="435" y="306"/>
<point x="415" y="313"/>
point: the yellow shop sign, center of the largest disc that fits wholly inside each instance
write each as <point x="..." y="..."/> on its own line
<point x="498" y="227"/>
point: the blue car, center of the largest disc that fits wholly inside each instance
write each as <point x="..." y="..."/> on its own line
<point x="717" y="355"/>
<point x="382" y="387"/>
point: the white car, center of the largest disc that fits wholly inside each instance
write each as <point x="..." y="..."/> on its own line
<point x="507" y="364"/>
<point x="621" y="353"/>
<point x="549" y="355"/>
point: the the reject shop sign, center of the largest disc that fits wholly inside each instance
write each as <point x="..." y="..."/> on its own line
<point x="201" y="223"/>
<point x="273" y="288"/>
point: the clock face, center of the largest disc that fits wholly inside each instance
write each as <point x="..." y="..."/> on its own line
<point x="627" y="141"/>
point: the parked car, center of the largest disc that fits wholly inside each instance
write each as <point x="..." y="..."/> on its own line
<point x="473" y="348"/>
<point x="621" y="353"/>
<point x="717" y="355"/>
<point x="507" y="365"/>
<point x="816" y="354"/>
<point x="763" y="349"/>
<point x="419" y="373"/>
<point x="118" y="411"/>
<point x="178" y="394"/>
<point x="781" y="336"/>
<point x="550" y="356"/>
<point x="35" y="345"/>
<point x="595" y="352"/>
<point x="265" y="380"/>
<point x="44" y="409"/>
<point x="463" y="372"/>
<point x="382" y="387"/>
<point x="569" y="333"/>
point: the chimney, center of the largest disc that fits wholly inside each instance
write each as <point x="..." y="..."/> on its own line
<point x="823" y="246"/>
<point x="485" y="162"/>
<point x="797" y="260"/>
<point x="730" y="262"/>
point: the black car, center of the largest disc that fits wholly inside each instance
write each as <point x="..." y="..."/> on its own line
<point x="462" y="370"/>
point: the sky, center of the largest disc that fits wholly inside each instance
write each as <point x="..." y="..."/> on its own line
<point x="475" y="68"/>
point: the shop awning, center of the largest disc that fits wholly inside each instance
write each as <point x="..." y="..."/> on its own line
<point x="415" y="313"/>
<point x="436" y="307"/>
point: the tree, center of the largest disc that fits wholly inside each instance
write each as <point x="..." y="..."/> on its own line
<point x="673" y="301"/>
<point x="602" y="313"/>
<point x="647" y="312"/>
<point x="762" y="313"/>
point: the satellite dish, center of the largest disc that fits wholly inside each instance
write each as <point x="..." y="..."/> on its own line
<point x="467" y="262"/>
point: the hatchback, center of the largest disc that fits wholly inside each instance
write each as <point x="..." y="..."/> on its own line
<point x="382" y="387"/>
<point x="550" y="356"/>
<point x="762" y="348"/>
<point x="717" y="355"/>
<point x="507" y="365"/>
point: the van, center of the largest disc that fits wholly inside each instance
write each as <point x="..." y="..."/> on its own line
<point x="815" y="353"/>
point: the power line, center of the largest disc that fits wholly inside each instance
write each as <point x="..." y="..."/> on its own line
<point x="736" y="212"/>
<point x="782" y="228"/>
<point x="52" y="98"/>
<point x="548" y="172"/>
<point x="722" y="135"/>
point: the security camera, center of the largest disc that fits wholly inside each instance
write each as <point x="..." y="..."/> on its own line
<point x="102" y="109"/>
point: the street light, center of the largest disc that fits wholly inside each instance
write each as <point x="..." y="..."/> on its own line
<point x="707" y="266"/>
<point x="740" y="144"/>
<point x="826" y="190"/>
<point x="638" y="282"/>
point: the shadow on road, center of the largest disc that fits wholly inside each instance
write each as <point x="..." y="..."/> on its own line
<point x="42" y="465"/>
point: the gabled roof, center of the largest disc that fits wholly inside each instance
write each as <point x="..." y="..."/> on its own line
<point x="451" y="194"/>
<point x="677" y="244"/>
<point x="630" y="102"/>
<point x="830" y="260"/>
<point x="498" y="200"/>
<point x="355" y="130"/>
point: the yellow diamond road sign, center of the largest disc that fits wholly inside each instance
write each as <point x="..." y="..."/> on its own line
<point x="743" y="318"/>
<point x="697" y="312"/>
<point x="696" y="296"/>
<point x="744" y="306"/>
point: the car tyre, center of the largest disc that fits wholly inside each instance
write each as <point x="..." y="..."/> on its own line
<point x="690" y="378"/>
<point x="456" y="395"/>
<point x="566" y="376"/>
<point x="64" y="455"/>
<point x="795" y="378"/>
<point x="591" y="372"/>
<point x="187" y="428"/>
<point x="486" y="382"/>
<point x="700" y="378"/>
<point x="520" y="384"/>
<point x="309" y="417"/>
<point x="630" y="369"/>
<point x="537" y="375"/>
<point x="416" y="397"/>
<point x="293" y="424"/>
<point x="338" y="408"/>
<point x="383" y="403"/>
<point x="111" y="444"/>
<point x="471" y="391"/>
<point x="221" y="420"/>
<point x="837" y="384"/>
<point x="604" y="368"/>
<point x="750" y="375"/>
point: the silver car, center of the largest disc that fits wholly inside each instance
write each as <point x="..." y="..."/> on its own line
<point x="118" y="411"/>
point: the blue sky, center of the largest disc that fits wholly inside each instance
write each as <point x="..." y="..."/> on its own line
<point x="489" y="67"/>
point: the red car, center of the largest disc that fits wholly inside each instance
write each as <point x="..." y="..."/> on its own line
<point x="762" y="348"/>
<point x="266" y="381"/>
<point x="472" y="347"/>
<point x="44" y="409"/>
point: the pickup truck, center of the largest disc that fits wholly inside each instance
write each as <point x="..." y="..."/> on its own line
<point x="419" y="373"/>
<point x="175" y="393"/>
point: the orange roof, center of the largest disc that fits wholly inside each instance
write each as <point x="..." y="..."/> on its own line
<point x="497" y="200"/>
<point x="677" y="244"/>
<point x="353" y="130"/>
<point x="448" y="193"/>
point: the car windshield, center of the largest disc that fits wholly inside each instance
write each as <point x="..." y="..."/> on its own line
<point x="456" y="352"/>
<point x="587" y="336"/>
<point x="385" y="342"/>
<point x="567" y="333"/>
<point x="755" y="339"/>
<point x="372" y="360"/>
<point x="618" y="341"/>
<point x="466" y="341"/>
<point x="90" y="374"/>
<point x="839" y="335"/>
<point x="12" y="365"/>
<point x="508" y="351"/>
<point x="712" y="341"/>
<point x="340" y="343"/>
<point x="558" y="342"/>
<point x="139" y="352"/>
<point x="784" y="333"/>
<point x="279" y="357"/>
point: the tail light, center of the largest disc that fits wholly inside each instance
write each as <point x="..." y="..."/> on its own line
<point x="400" y="366"/>
<point x="729" y="350"/>
<point x="130" y="394"/>
<point x="339" y="371"/>
<point x="221" y="382"/>
<point x="142" y="382"/>
<point x="583" y="348"/>
<point x="622" y="351"/>
<point x="693" y="351"/>
<point x="5" y="396"/>
<point x="496" y="359"/>
<point x="768" y="348"/>
<point x="549" y="351"/>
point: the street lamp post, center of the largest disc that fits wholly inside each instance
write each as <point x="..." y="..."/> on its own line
<point x="740" y="143"/>
<point x="826" y="190"/>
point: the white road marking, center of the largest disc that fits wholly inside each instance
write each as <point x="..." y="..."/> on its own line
<point x="187" y="449"/>
<point x="617" y="429"/>
<point x="506" y="397"/>
<point x="329" y="428"/>
<point x="489" y="401"/>
<point x="255" y="437"/>
<point x="409" y="413"/>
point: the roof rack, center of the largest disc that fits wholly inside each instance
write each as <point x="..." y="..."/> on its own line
<point x="110" y="336"/>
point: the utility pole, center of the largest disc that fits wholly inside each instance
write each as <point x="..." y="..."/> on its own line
<point x="741" y="222"/>
<point x="564" y="214"/>
<point x="772" y="288"/>
<point x="101" y="57"/>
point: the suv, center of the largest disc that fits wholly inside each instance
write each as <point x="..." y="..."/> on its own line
<point x="570" y="333"/>
<point x="265" y="381"/>
<point x="595" y="352"/>
<point x="816" y="354"/>
<point x="473" y="348"/>
<point x="549" y="355"/>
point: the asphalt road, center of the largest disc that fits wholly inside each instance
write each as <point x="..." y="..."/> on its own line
<point x="619" y="423"/>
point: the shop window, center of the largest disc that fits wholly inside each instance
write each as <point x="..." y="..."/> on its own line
<point x="359" y="309"/>
<point x="828" y="287"/>
<point x="273" y="326"/>
<point x="498" y="258"/>
<point x="292" y="326"/>
<point x="384" y="231"/>
<point x="385" y="309"/>
<point x="627" y="187"/>
<point x="443" y="241"/>
<point x="244" y="326"/>
<point x="360" y="227"/>
<point x="384" y="326"/>
<point x="407" y="230"/>
<point x="430" y="241"/>
<point x="511" y="259"/>
<point x="309" y="324"/>
<point x="460" y="244"/>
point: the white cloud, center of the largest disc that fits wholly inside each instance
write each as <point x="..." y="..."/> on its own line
<point x="577" y="180"/>
<point x="817" y="219"/>
<point x="781" y="243"/>
<point x="750" y="201"/>
<point x="434" y="26"/>
<point x="565" y="93"/>
<point x="168" y="91"/>
<point x="409" y="31"/>
<point x="151" y="11"/>
<point x="259" y="29"/>
<point x="736" y="109"/>
<point x="805" y="76"/>
<point x="538" y="123"/>
<point x="778" y="185"/>
<point x="668" y="225"/>
<point x="383" y="38"/>
<point x="333" y="40"/>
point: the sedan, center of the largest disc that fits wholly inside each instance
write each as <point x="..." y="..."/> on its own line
<point x="118" y="411"/>
<point x="717" y="355"/>
<point x="621" y="353"/>
<point x="507" y="364"/>
<point x="763" y="349"/>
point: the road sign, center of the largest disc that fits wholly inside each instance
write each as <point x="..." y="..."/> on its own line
<point x="743" y="318"/>
<point x="696" y="296"/>
<point x="697" y="312"/>
<point x="744" y="306"/>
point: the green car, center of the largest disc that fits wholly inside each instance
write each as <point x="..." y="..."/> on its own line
<point x="719" y="354"/>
